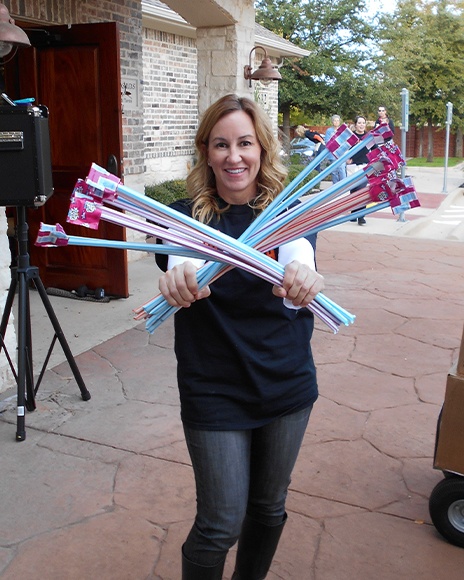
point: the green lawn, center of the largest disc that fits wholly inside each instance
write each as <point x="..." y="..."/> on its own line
<point x="437" y="162"/>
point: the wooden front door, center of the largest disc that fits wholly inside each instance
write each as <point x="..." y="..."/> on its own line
<point x="75" y="72"/>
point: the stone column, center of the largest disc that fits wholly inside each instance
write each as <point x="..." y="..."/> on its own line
<point x="222" y="54"/>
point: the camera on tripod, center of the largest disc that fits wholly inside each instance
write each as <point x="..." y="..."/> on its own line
<point x="25" y="162"/>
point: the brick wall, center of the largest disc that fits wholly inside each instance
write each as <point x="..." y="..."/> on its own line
<point x="170" y="92"/>
<point x="420" y="135"/>
<point x="414" y="137"/>
<point x="170" y="96"/>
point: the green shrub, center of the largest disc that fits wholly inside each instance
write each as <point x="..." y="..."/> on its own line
<point x="167" y="191"/>
<point x="294" y="170"/>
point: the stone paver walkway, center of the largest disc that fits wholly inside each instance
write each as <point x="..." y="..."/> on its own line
<point x="104" y="489"/>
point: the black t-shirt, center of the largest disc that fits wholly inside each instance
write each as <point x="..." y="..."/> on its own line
<point x="360" y="158"/>
<point x="244" y="358"/>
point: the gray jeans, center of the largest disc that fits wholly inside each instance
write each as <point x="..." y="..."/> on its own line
<point x="238" y="473"/>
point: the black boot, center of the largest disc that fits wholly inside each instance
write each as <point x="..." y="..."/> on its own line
<point x="192" y="571"/>
<point x="256" y="548"/>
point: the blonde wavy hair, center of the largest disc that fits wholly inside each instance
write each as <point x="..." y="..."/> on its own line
<point x="201" y="181"/>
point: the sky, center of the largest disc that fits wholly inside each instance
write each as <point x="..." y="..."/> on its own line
<point x="374" y="6"/>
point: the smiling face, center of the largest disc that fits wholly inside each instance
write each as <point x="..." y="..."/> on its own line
<point x="234" y="155"/>
<point x="360" y="126"/>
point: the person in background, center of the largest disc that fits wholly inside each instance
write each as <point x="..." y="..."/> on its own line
<point x="339" y="173"/>
<point x="383" y="119"/>
<point x="318" y="139"/>
<point x="315" y="138"/>
<point x="245" y="371"/>
<point x="300" y="131"/>
<point x="359" y="159"/>
<point x="301" y="145"/>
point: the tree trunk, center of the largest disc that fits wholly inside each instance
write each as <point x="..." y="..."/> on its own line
<point x="286" y="127"/>
<point x="459" y="152"/>
<point x="420" y="151"/>
<point x="430" y="142"/>
<point x="286" y="120"/>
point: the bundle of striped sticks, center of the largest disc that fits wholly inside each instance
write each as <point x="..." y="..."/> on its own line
<point x="291" y="215"/>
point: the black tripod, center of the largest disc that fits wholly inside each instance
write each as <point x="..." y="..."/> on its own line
<point x="21" y="275"/>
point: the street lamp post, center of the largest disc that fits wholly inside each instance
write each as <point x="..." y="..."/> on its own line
<point x="404" y="124"/>
<point x="449" y="120"/>
<point x="404" y="130"/>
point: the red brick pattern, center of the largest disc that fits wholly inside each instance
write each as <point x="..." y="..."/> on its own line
<point x="417" y="139"/>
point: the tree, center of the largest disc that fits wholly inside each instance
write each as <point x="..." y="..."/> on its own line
<point x="335" y="77"/>
<point x="422" y="51"/>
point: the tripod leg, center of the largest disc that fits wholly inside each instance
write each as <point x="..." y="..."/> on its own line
<point x="59" y="334"/>
<point x="23" y="379"/>
<point x="26" y="307"/>
<point x="22" y="357"/>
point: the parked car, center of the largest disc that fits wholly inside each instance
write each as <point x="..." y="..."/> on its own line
<point x="303" y="147"/>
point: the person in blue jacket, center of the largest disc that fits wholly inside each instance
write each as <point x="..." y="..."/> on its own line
<point x="340" y="173"/>
<point x="245" y="371"/>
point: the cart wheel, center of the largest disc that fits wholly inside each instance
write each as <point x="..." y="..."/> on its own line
<point x="446" y="507"/>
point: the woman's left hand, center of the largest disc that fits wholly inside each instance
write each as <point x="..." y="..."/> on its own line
<point x="300" y="285"/>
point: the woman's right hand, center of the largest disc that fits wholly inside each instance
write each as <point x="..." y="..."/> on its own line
<point x="179" y="285"/>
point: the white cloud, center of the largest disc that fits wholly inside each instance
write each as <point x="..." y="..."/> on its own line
<point x="374" y="6"/>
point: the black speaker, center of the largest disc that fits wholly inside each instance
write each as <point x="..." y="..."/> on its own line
<point x="25" y="164"/>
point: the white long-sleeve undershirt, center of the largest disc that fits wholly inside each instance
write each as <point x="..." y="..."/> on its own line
<point x="299" y="249"/>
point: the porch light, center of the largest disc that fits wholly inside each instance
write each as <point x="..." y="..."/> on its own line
<point x="265" y="71"/>
<point x="10" y="34"/>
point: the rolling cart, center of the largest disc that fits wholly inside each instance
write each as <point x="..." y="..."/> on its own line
<point x="446" y="503"/>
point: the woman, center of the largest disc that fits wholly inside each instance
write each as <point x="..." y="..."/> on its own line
<point x="340" y="173"/>
<point x="359" y="159"/>
<point x="246" y="375"/>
